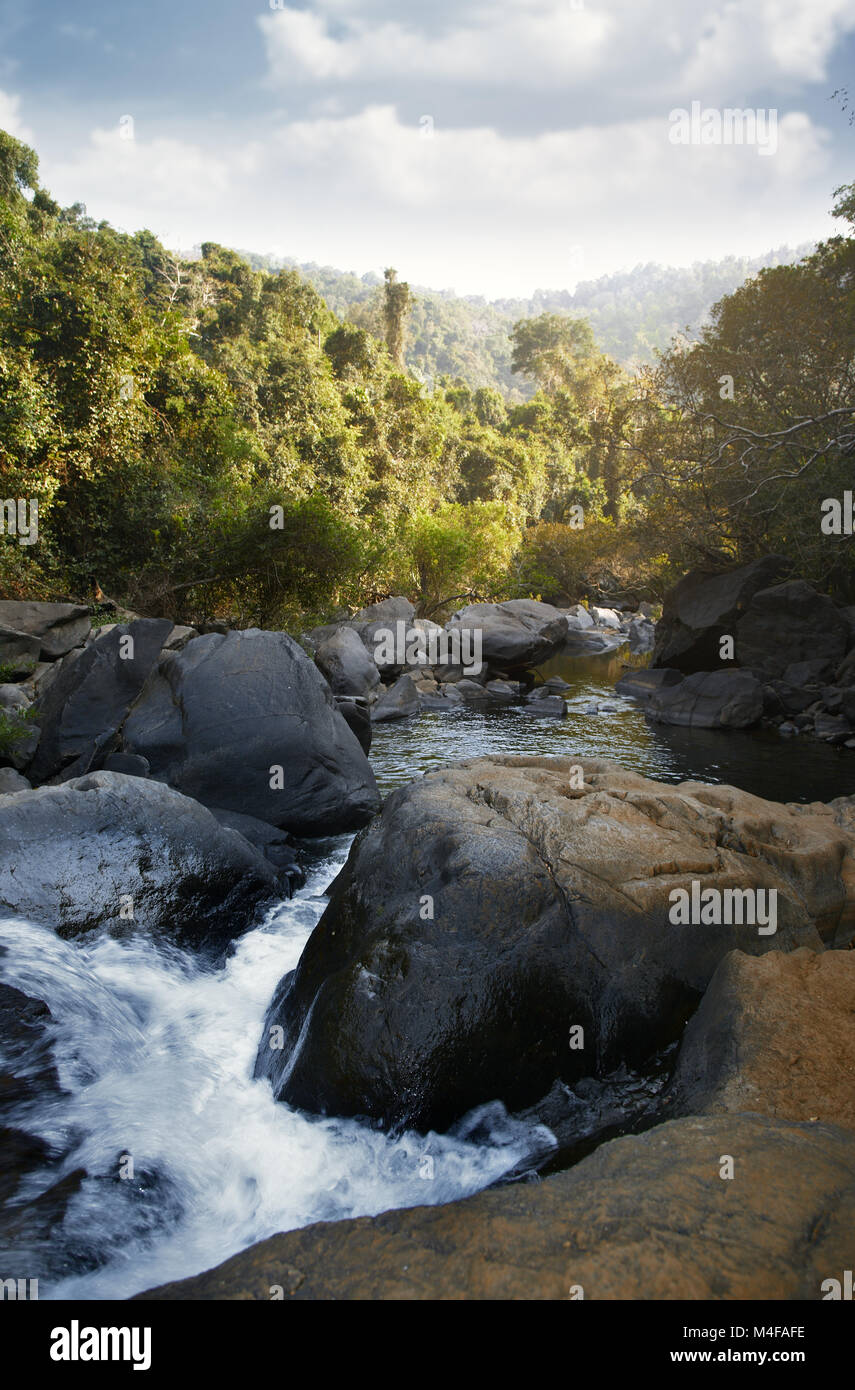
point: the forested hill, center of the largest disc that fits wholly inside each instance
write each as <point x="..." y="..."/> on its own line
<point x="633" y="313"/>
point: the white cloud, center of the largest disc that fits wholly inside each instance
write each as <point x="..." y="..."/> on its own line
<point x="10" y="119"/>
<point x="468" y="208"/>
<point x="524" y="42"/>
<point x="538" y="45"/>
<point x="751" y="42"/>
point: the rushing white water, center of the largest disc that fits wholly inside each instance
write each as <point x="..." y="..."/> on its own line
<point x="156" y="1055"/>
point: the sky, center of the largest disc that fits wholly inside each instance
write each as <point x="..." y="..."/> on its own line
<point x="491" y="147"/>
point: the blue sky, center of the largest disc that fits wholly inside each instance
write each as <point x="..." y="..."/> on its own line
<point x="491" y="147"/>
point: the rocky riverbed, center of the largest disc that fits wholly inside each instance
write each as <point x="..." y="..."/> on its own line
<point x="489" y="982"/>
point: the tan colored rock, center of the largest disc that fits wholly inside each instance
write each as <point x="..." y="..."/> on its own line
<point x="774" y="1034"/>
<point x="551" y="905"/>
<point x="645" y="1217"/>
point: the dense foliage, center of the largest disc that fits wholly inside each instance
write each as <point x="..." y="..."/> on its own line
<point x="205" y="437"/>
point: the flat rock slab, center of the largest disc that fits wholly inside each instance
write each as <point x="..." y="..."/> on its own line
<point x="773" y="1034"/>
<point x="58" y="626"/>
<point x="644" y="1217"/>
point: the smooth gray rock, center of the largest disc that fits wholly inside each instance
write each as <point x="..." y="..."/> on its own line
<point x="19" y="652"/>
<point x="604" y="617"/>
<point x="640" y="685"/>
<point x="274" y="844"/>
<point x="703" y="607"/>
<point x="642" y="636"/>
<point x="790" y="623"/>
<point x="357" y="716"/>
<point x="710" y="700"/>
<point x="401" y="701"/>
<point x="516" y="634"/>
<point x="13" y="697"/>
<point x="58" y="626"/>
<point x="82" y="710"/>
<point x="343" y="659"/>
<point x="219" y="720"/>
<point x="129" y="763"/>
<point x="70" y="856"/>
<point x="550" y="707"/>
<point x="578" y="617"/>
<point x="179" y="637"/>
<point x="12" y="781"/>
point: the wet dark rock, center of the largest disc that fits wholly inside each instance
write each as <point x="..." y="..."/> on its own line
<point x="704" y="607"/>
<point x="551" y="906"/>
<point x="82" y="710"/>
<point x="248" y="723"/>
<point x="710" y="700"/>
<point x="789" y="623"/>
<point x="78" y="856"/>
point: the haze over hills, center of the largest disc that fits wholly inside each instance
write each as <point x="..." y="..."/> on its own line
<point x="634" y="313"/>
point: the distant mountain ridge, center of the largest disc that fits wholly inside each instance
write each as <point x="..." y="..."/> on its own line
<point x="634" y="313"/>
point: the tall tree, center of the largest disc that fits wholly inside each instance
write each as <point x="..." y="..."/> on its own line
<point x="397" y="300"/>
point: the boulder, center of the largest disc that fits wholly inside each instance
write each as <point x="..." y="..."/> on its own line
<point x="273" y="843"/>
<point x="82" y="710"/>
<point x="516" y="634"/>
<point x="644" y="1217"/>
<point x="74" y="856"/>
<point x="388" y="611"/>
<point x="401" y="701"/>
<point x="642" y="636"/>
<point x="12" y="781"/>
<point x="19" y="653"/>
<point x="773" y="1035"/>
<point x="578" y="617"/>
<point x="548" y="707"/>
<point x="246" y="722"/>
<point x="709" y="700"/>
<point x="551" y="906"/>
<point x="703" y="607"/>
<point x="790" y="623"/>
<point x="13" y="697"/>
<point x="346" y="664"/>
<point x="604" y="617"/>
<point x="832" y="728"/>
<point x="57" y="626"/>
<point x="179" y="637"/>
<point x="640" y="685"/>
<point x="130" y="763"/>
<point x="357" y="717"/>
<point x="503" y="691"/>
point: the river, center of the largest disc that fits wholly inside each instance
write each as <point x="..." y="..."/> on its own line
<point x="155" y="1051"/>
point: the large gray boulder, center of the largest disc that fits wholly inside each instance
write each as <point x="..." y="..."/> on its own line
<point x="246" y="722"/>
<point x="516" y="634"/>
<point x="497" y="903"/>
<point x="709" y="700"/>
<point x="88" y="853"/>
<point x="703" y="607"/>
<point x="790" y="623"/>
<point x="57" y="626"/>
<point x="81" y="710"/>
<point x="348" y="667"/>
